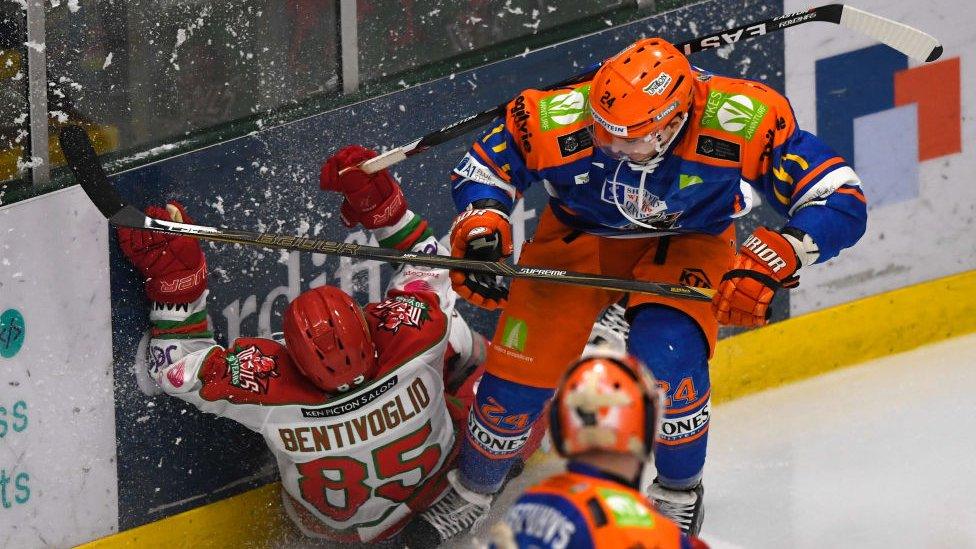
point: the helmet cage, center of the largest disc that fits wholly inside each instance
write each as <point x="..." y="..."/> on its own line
<point x="630" y="424"/>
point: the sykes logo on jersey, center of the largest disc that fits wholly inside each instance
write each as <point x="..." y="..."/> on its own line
<point x="400" y="311"/>
<point x="564" y="109"/>
<point x="250" y="369"/>
<point x="737" y="114"/>
<point x="627" y="510"/>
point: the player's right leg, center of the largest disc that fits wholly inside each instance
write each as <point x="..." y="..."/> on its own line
<point x="544" y="327"/>
<point x="675" y="338"/>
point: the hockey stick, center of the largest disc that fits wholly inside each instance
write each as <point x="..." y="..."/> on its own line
<point x="89" y="172"/>
<point x="908" y="40"/>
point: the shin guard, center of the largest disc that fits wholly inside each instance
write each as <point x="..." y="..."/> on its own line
<point x="672" y="345"/>
<point x="498" y="430"/>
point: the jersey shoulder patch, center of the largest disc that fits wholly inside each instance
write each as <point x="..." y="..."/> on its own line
<point x="257" y="371"/>
<point x="404" y="325"/>
<point x="550" y="127"/>
<point x="740" y="108"/>
<point x="741" y="120"/>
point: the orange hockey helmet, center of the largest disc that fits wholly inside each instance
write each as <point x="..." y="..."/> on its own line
<point x="640" y="98"/>
<point x="327" y="336"/>
<point x="606" y="401"/>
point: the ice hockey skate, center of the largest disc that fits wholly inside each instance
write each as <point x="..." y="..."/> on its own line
<point x="610" y="330"/>
<point x="458" y="511"/>
<point x="682" y="506"/>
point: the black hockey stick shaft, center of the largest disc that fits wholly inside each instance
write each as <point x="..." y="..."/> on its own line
<point x="910" y="41"/>
<point x="89" y="173"/>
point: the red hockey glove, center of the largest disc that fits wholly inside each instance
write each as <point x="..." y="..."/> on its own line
<point x="766" y="263"/>
<point x="485" y="234"/>
<point x="375" y="200"/>
<point x="174" y="266"/>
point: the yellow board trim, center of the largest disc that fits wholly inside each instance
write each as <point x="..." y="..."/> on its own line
<point x="781" y="353"/>
<point x="252" y="519"/>
<point x="847" y="334"/>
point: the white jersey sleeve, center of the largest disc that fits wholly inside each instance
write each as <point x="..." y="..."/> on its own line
<point x="177" y="331"/>
<point x="411" y="233"/>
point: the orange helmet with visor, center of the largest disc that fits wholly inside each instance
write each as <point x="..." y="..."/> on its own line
<point x="640" y="99"/>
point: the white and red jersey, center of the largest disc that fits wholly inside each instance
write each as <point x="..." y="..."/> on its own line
<point x="354" y="466"/>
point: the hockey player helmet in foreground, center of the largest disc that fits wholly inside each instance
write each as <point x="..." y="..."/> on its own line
<point x="606" y="402"/>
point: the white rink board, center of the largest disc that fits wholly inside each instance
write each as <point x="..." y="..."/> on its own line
<point x="54" y="271"/>
<point x="924" y="238"/>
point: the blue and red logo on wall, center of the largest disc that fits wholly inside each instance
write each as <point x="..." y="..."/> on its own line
<point x="887" y="118"/>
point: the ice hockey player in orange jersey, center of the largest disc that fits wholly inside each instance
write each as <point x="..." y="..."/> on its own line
<point x="646" y="167"/>
<point x="360" y="406"/>
<point x="603" y="419"/>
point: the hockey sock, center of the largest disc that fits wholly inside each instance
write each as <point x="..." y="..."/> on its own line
<point x="674" y="348"/>
<point x="498" y="429"/>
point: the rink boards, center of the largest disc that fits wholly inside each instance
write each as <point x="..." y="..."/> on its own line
<point x="87" y="453"/>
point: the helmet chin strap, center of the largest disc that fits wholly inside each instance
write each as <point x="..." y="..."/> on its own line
<point x="661" y="149"/>
<point x="646" y="167"/>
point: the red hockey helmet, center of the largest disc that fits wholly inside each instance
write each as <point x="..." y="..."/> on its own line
<point x="327" y="336"/>
<point x="637" y="98"/>
<point x="606" y="401"/>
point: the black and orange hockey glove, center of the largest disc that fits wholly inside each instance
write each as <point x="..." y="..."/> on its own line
<point x="481" y="232"/>
<point x="767" y="261"/>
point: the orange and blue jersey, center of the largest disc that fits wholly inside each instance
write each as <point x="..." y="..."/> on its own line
<point x="586" y="508"/>
<point x="741" y="136"/>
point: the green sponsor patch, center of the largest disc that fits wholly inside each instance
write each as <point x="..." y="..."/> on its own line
<point x="12" y="332"/>
<point x="737" y="114"/>
<point x="564" y="109"/>
<point x="627" y="510"/>
<point x="688" y="180"/>
<point x="234" y="364"/>
<point x="514" y="334"/>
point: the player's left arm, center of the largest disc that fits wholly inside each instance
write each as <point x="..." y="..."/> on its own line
<point x="377" y="202"/>
<point x="814" y="188"/>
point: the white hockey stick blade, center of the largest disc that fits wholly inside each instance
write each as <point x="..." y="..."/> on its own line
<point x="908" y="40"/>
<point x="388" y="158"/>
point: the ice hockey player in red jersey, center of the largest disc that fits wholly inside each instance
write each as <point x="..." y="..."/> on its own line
<point x="603" y="419"/>
<point x="646" y="166"/>
<point x="353" y="405"/>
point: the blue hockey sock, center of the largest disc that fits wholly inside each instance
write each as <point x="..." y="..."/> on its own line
<point x="672" y="345"/>
<point x="498" y="428"/>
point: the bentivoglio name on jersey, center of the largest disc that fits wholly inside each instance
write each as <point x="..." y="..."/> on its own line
<point x="354" y="462"/>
